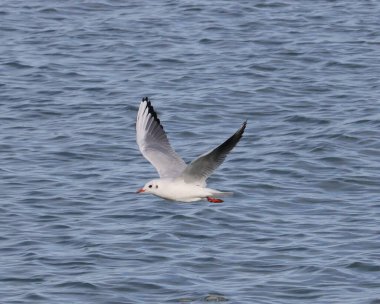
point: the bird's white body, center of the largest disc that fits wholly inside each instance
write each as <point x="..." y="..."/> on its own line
<point x="176" y="189"/>
<point x="178" y="181"/>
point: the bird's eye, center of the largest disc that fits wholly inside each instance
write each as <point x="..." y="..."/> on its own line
<point x="156" y="186"/>
<point x="150" y="186"/>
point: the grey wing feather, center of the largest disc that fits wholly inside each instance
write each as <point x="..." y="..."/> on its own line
<point x="154" y="144"/>
<point x="201" y="168"/>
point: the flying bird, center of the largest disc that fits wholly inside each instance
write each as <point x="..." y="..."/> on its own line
<point x="178" y="181"/>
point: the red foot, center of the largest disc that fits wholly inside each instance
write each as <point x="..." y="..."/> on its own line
<point x="214" y="200"/>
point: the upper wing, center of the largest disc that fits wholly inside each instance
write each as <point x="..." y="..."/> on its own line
<point x="154" y="144"/>
<point x="201" y="168"/>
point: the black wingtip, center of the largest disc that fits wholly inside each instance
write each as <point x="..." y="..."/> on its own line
<point x="235" y="138"/>
<point x="242" y="128"/>
<point x="151" y="111"/>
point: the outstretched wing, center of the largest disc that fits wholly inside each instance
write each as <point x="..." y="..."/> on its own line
<point x="154" y="144"/>
<point x="201" y="168"/>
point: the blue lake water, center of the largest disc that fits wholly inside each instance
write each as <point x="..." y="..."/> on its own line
<point x="304" y="223"/>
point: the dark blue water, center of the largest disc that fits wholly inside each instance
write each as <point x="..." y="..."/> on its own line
<point x="303" y="226"/>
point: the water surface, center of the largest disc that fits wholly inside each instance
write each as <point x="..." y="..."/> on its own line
<point x="303" y="226"/>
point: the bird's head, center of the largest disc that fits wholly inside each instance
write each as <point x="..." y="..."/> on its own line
<point x="150" y="187"/>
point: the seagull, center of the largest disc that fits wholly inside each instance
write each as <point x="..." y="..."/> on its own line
<point x="178" y="181"/>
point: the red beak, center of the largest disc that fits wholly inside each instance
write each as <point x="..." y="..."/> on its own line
<point x="140" y="190"/>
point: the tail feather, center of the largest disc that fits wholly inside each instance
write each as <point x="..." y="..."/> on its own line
<point x="221" y="194"/>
